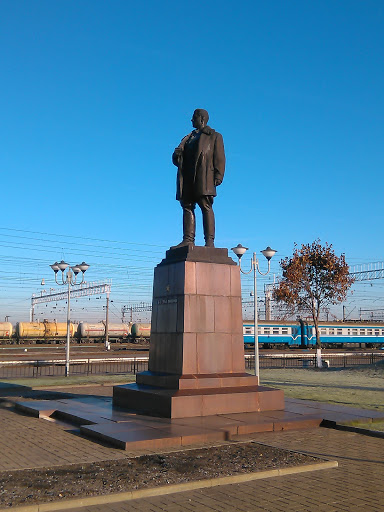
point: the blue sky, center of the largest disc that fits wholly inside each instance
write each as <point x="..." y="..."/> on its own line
<point x="95" y="95"/>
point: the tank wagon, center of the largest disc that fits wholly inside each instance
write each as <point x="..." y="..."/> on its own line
<point x="96" y="332"/>
<point x="55" y="332"/>
<point x="141" y="332"/>
<point x="43" y="332"/>
<point x="6" y="332"/>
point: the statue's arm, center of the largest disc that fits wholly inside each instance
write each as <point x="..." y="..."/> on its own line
<point x="219" y="159"/>
<point x="177" y="157"/>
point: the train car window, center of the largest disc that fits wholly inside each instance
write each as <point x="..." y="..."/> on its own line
<point x="331" y="331"/>
<point x="369" y="332"/>
<point x="267" y="330"/>
<point x="284" y="330"/>
<point x="354" y="332"/>
<point x="275" y="330"/>
<point x="362" y="332"/>
<point x="382" y="332"/>
<point x="323" y="331"/>
<point x="377" y="332"/>
<point x="339" y="332"/>
<point x="248" y="330"/>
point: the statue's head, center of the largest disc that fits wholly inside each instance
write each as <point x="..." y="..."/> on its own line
<point x="200" y="118"/>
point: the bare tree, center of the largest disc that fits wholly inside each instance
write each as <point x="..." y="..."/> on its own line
<point x="313" y="278"/>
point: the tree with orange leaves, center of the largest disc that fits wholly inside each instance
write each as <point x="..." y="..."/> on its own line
<point x="313" y="278"/>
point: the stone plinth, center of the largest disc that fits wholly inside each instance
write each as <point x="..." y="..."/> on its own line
<point x="196" y="358"/>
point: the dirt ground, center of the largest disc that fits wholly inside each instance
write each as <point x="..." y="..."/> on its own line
<point x="74" y="481"/>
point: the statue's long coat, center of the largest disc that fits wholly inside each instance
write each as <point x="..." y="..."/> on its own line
<point x="209" y="165"/>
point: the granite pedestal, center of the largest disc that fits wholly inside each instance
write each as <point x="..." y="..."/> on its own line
<point x="196" y="358"/>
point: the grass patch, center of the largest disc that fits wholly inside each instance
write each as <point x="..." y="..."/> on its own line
<point x="361" y="387"/>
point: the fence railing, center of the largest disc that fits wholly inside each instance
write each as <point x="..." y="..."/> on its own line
<point x="132" y="365"/>
<point x="84" y="367"/>
<point x="337" y="360"/>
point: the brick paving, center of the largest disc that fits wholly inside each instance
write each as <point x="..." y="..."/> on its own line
<point x="27" y="442"/>
<point x="356" y="485"/>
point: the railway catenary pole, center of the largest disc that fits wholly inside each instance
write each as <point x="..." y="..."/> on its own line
<point x="239" y="250"/>
<point x="135" y="309"/>
<point x="68" y="279"/>
<point x="107" y="344"/>
<point x="268" y="288"/>
<point x="368" y="272"/>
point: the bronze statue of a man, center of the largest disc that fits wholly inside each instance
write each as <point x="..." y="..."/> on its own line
<point x="200" y="160"/>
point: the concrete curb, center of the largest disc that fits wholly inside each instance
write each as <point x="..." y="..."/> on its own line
<point x="362" y="431"/>
<point x="168" y="489"/>
<point x="352" y="428"/>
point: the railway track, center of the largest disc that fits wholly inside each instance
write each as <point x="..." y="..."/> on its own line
<point x="43" y="352"/>
<point x="97" y="351"/>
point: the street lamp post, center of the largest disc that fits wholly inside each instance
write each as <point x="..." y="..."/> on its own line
<point x="68" y="279"/>
<point x="239" y="250"/>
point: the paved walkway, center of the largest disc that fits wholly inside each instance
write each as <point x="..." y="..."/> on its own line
<point x="27" y="442"/>
<point x="357" y="485"/>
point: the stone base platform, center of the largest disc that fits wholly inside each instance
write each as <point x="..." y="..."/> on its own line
<point x="99" y="420"/>
<point x="193" y="381"/>
<point x="202" y="395"/>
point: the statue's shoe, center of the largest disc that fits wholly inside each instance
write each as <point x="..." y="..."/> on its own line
<point x="184" y="243"/>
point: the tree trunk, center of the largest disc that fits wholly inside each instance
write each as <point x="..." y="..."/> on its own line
<point x="319" y="362"/>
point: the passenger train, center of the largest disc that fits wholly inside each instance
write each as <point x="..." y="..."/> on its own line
<point x="271" y="333"/>
<point x="301" y="334"/>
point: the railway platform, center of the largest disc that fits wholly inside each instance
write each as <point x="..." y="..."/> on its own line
<point x="28" y="443"/>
